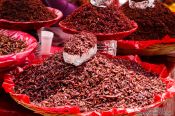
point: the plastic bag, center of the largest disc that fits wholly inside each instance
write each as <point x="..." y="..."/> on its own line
<point x="17" y="58"/>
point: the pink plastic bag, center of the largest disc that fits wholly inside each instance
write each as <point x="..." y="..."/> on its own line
<point x="17" y="58"/>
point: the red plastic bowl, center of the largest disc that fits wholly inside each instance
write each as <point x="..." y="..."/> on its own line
<point x="17" y="58"/>
<point x="6" y="24"/>
<point x="103" y="36"/>
<point x="24" y="100"/>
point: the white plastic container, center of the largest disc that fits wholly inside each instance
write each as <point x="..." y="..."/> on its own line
<point x="46" y="42"/>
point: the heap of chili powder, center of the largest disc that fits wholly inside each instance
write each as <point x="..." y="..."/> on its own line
<point x="25" y="10"/>
<point x="99" y="84"/>
<point x="98" y="20"/>
<point x="153" y="23"/>
<point x="9" y="45"/>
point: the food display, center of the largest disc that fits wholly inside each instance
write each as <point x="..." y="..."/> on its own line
<point x="153" y="23"/>
<point x="98" y="20"/>
<point x="81" y="79"/>
<point x="9" y="45"/>
<point x="155" y="33"/>
<point x="25" y="11"/>
<point x="105" y="23"/>
<point x="27" y="15"/>
<point x="49" y="85"/>
<point x="101" y="83"/>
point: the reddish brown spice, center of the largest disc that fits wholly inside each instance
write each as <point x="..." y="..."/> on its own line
<point x="98" y="20"/>
<point x="99" y="84"/>
<point x="80" y="43"/>
<point x="24" y="10"/>
<point x="154" y="23"/>
<point x="9" y="45"/>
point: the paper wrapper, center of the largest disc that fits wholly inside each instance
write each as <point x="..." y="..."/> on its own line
<point x="24" y="100"/>
<point x="147" y="48"/>
<point x="6" y="24"/>
<point x="17" y="58"/>
<point x="77" y="60"/>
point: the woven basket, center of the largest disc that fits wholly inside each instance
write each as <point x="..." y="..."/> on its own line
<point x="158" y="49"/>
<point x="24" y="100"/>
<point x="147" y="48"/>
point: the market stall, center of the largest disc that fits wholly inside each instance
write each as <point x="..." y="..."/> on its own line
<point x="116" y="58"/>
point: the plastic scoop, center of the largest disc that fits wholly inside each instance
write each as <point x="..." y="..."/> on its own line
<point x="46" y="42"/>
